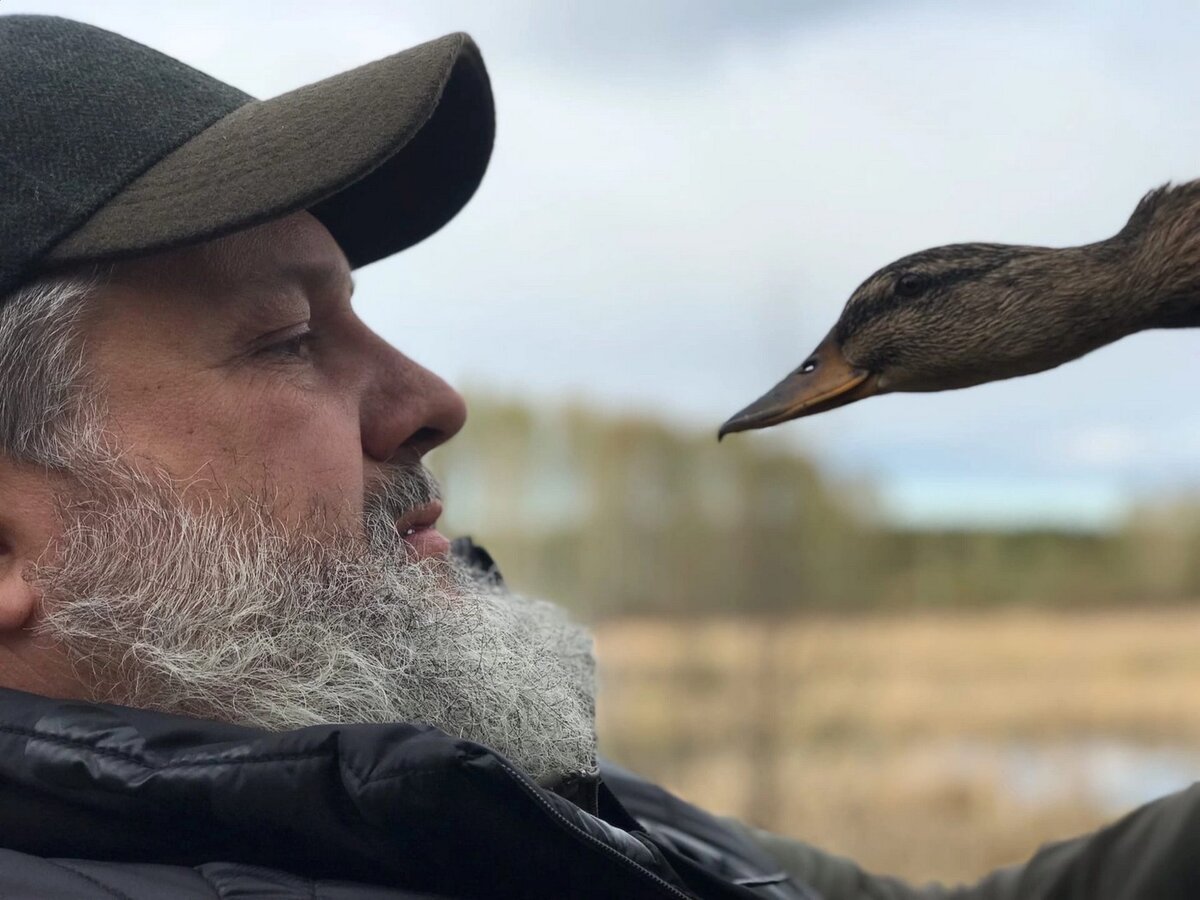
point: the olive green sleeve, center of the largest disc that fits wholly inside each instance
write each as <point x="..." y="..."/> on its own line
<point x="1151" y="854"/>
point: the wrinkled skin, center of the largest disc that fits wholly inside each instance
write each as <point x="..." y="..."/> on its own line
<point x="206" y="374"/>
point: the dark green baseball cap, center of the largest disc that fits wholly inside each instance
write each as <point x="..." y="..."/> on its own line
<point x="110" y="149"/>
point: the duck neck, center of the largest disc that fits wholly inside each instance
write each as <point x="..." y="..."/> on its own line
<point x="1093" y="295"/>
<point x="1158" y="254"/>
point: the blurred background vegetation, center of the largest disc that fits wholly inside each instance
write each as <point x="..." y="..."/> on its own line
<point x="612" y="515"/>
<point x="931" y="703"/>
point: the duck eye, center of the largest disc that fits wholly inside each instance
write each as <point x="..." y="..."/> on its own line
<point x="911" y="284"/>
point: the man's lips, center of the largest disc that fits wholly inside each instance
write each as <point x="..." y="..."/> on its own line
<point x="418" y="529"/>
<point x="420" y="518"/>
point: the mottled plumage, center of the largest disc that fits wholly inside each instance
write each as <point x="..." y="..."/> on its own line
<point x="965" y="314"/>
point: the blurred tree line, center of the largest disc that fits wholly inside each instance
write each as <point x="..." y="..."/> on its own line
<point x="612" y="515"/>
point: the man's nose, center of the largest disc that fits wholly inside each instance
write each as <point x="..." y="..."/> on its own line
<point x="408" y="411"/>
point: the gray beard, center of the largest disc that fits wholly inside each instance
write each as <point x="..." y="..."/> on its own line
<point x="165" y="602"/>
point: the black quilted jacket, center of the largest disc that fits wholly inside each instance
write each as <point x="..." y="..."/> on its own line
<point x="106" y="801"/>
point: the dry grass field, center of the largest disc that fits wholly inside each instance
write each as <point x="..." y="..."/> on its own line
<point x="932" y="747"/>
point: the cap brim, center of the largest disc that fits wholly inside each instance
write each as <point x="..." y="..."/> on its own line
<point x="384" y="155"/>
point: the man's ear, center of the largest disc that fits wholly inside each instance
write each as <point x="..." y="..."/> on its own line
<point x="27" y="524"/>
<point x="17" y="596"/>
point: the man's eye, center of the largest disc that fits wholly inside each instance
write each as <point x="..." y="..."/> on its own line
<point x="298" y="346"/>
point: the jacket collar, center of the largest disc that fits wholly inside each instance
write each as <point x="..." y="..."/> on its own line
<point x="399" y="804"/>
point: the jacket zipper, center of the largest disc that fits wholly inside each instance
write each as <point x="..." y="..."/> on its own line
<point x="591" y="839"/>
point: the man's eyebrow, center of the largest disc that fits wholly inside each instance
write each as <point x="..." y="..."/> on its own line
<point x="316" y="274"/>
<point x="275" y="293"/>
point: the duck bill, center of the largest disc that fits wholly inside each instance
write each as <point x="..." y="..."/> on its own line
<point x="825" y="382"/>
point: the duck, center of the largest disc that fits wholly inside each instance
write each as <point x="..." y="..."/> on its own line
<point x="959" y="315"/>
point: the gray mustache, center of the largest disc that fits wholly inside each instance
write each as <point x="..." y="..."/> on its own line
<point x="403" y="489"/>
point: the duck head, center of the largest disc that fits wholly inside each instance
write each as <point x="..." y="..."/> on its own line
<point x="955" y="316"/>
<point x="964" y="314"/>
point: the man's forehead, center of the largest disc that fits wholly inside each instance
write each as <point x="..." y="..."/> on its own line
<point x="297" y="250"/>
<point x="288" y="254"/>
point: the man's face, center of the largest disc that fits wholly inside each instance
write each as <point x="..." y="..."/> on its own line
<point x="240" y="365"/>
<point x="250" y="534"/>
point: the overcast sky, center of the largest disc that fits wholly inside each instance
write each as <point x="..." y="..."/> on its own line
<point x="684" y="193"/>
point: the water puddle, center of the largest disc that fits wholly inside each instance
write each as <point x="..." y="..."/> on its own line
<point x="1110" y="774"/>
